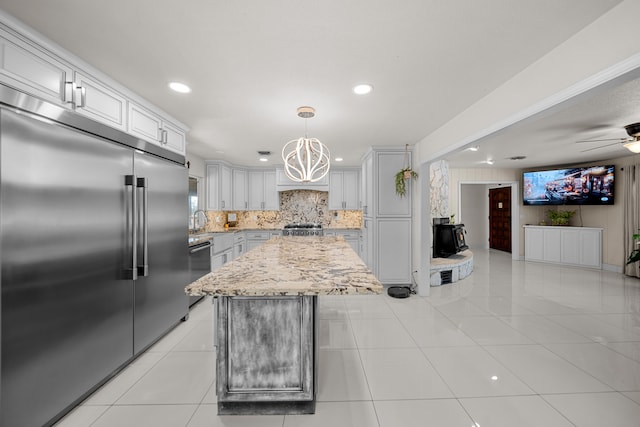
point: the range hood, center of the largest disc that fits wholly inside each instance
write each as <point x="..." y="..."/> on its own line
<point x="283" y="183"/>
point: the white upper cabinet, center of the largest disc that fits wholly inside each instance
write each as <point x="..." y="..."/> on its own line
<point x="153" y="128"/>
<point x="34" y="65"/>
<point x="103" y="104"/>
<point x="239" y="197"/>
<point x="218" y="187"/>
<point x="31" y="70"/>
<point x="344" y="190"/>
<point x="262" y="190"/>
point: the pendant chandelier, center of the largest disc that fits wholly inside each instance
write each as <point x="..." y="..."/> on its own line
<point x="305" y="159"/>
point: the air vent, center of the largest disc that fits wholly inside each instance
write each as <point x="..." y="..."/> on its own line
<point x="264" y="153"/>
<point x="517" y="158"/>
<point x="446" y="276"/>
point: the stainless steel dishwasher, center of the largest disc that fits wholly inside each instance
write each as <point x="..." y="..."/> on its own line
<point x="199" y="261"/>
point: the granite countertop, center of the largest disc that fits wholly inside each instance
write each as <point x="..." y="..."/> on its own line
<point x="292" y="265"/>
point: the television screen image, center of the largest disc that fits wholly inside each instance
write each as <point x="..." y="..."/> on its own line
<point x="573" y="186"/>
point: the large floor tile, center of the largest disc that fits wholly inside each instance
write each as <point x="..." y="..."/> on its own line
<point x="594" y="329"/>
<point x="511" y="411"/>
<point x="146" y="416"/>
<point x="420" y="413"/>
<point x="457" y="307"/>
<point x="200" y="338"/>
<point x="542" y="330"/>
<point x="545" y="306"/>
<point x="118" y="385"/>
<point x="336" y="333"/>
<point x="605" y="364"/>
<point x="629" y="349"/>
<point x="472" y="372"/>
<point x="82" y="416"/>
<point x="341" y="377"/>
<point x="336" y="414"/>
<point x="499" y="305"/>
<point x="401" y="374"/>
<point x="489" y="330"/>
<point x="368" y="307"/>
<point x="381" y="333"/>
<point x="435" y="331"/>
<point x="179" y="378"/>
<point x="207" y="416"/>
<point x="411" y="307"/>
<point x="596" y="409"/>
<point x="544" y="371"/>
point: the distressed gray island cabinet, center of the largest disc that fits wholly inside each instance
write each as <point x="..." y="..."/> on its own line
<point x="267" y="320"/>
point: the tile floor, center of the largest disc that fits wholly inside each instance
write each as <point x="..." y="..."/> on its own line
<point x="515" y="344"/>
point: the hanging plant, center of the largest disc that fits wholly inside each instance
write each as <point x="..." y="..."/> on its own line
<point x="405" y="173"/>
<point x="634" y="256"/>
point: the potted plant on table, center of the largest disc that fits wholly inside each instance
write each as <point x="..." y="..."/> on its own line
<point x="560" y="217"/>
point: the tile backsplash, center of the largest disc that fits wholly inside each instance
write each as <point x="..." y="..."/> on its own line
<point x="295" y="206"/>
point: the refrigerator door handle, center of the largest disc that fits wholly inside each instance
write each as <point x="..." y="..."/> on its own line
<point x="143" y="268"/>
<point x="131" y="272"/>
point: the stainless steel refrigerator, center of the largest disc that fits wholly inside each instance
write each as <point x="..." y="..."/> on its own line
<point x="93" y="246"/>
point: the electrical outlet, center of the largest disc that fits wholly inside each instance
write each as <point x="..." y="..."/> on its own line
<point x="217" y="219"/>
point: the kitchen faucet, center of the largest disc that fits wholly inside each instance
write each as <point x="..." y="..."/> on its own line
<point x="195" y="219"/>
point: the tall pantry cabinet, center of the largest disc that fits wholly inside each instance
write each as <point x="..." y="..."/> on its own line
<point x="386" y="217"/>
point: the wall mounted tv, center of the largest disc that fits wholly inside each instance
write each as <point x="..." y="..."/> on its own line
<point x="571" y="186"/>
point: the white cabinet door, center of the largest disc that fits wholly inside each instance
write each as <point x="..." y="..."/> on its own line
<point x="263" y="194"/>
<point x="351" y="190"/>
<point x="571" y="250"/>
<point x="225" y="187"/>
<point x="534" y="244"/>
<point x="367" y="185"/>
<point x="271" y="197"/>
<point x="387" y="201"/>
<point x="144" y="124"/>
<point x="31" y="70"/>
<point x="240" y="201"/>
<point x="552" y="245"/>
<point x="213" y="189"/>
<point x="591" y="248"/>
<point x="256" y="190"/>
<point x="151" y="127"/>
<point x="394" y="250"/>
<point x="99" y="102"/>
<point x="336" y="200"/>
<point x="174" y="138"/>
<point x="344" y="190"/>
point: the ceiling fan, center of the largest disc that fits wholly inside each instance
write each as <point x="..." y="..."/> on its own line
<point x="631" y="143"/>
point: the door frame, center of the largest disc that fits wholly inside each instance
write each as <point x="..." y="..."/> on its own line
<point x="515" y="210"/>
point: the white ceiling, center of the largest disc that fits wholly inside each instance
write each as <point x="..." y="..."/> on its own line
<point x="252" y="63"/>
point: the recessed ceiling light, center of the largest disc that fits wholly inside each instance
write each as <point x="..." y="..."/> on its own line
<point x="476" y="148"/>
<point x="338" y="159"/>
<point x="263" y="159"/>
<point x="362" y="89"/>
<point x="489" y="162"/>
<point x="179" y="87"/>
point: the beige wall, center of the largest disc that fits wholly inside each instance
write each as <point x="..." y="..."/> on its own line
<point x="609" y="218"/>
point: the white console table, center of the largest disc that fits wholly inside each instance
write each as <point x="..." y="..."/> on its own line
<point x="579" y="246"/>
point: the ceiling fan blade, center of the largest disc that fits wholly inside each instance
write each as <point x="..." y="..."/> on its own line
<point x="597" y="148"/>
<point x="601" y="140"/>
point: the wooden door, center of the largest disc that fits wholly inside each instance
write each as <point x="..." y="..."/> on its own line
<point x="500" y="219"/>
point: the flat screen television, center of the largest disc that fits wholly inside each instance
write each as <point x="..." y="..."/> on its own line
<point x="592" y="185"/>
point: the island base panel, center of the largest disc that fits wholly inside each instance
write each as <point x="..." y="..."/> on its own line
<point x="266" y="408"/>
<point x="267" y="354"/>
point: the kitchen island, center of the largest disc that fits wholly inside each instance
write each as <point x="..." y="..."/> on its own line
<point x="267" y="320"/>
